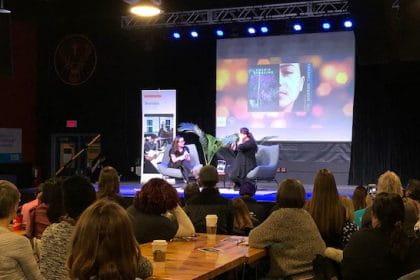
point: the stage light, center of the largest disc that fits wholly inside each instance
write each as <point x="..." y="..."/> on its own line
<point x="297" y="27"/>
<point x="176" y="35"/>
<point x="326" y="26"/>
<point x="348" y="24"/>
<point x="147" y="8"/>
<point x="194" y="34"/>
<point x="264" y="29"/>
<point x="251" y="30"/>
<point x="219" y="32"/>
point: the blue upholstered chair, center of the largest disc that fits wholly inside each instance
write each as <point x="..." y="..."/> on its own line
<point x="267" y="164"/>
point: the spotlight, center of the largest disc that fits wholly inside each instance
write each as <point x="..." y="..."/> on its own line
<point x="219" y="32"/>
<point x="251" y="30"/>
<point x="326" y="26"/>
<point x="194" y="34"/>
<point x="264" y="29"/>
<point x="348" y="24"/>
<point x="297" y="27"/>
<point x="176" y="35"/>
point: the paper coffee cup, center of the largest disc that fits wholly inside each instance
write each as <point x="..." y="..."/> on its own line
<point x="159" y="250"/>
<point x="211" y="224"/>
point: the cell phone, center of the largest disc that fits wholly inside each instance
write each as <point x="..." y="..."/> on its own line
<point x="371" y="189"/>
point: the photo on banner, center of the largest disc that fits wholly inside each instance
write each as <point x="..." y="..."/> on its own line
<point x="159" y="127"/>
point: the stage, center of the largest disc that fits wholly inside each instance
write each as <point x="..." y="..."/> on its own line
<point x="266" y="191"/>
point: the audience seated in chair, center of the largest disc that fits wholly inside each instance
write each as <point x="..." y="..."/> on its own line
<point x="326" y="209"/>
<point x="290" y="234"/>
<point x="156" y="213"/>
<point x="78" y="194"/>
<point x="349" y="227"/>
<point x="109" y="186"/>
<point x="209" y="201"/>
<point x="256" y="209"/>
<point x="359" y="203"/>
<point x="380" y="252"/>
<point x="389" y="182"/>
<point x="16" y="258"/>
<point x="243" y="222"/>
<point x="104" y="246"/>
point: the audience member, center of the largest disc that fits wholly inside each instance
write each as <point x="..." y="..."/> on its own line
<point x="78" y="194"/>
<point x="109" y="186"/>
<point x="359" y="203"/>
<point x="209" y="201"/>
<point x="190" y="190"/>
<point x="327" y="210"/>
<point x="389" y="182"/>
<point x="49" y="209"/>
<point x="156" y="213"/>
<point x="16" y="258"/>
<point x="290" y="233"/>
<point x="104" y="246"/>
<point x="243" y="222"/>
<point x="247" y="192"/>
<point x="349" y="227"/>
<point x="379" y="252"/>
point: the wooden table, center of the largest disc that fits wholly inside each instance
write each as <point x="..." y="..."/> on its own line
<point x="184" y="260"/>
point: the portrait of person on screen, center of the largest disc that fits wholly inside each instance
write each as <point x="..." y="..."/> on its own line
<point x="291" y="84"/>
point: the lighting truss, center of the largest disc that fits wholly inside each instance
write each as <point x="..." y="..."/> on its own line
<point x="281" y="11"/>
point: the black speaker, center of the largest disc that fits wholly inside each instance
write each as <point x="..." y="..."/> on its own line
<point x="5" y="48"/>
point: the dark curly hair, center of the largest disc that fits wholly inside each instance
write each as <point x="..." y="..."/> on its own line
<point x="156" y="197"/>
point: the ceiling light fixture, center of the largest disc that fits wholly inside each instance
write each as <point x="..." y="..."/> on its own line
<point x="147" y="8"/>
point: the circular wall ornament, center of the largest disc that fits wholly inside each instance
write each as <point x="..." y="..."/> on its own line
<point x="75" y="59"/>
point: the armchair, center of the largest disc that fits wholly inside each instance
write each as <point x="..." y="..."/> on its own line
<point x="267" y="164"/>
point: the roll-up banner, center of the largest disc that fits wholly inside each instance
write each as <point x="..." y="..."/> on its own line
<point x="159" y="128"/>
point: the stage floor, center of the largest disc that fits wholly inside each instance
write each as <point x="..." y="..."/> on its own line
<point x="266" y="192"/>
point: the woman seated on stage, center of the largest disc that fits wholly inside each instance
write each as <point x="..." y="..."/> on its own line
<point x="291" y="235"/>
<point x="245" y="160"/>
<point x="109" y="186"/>
<point x="156" y="213"/>
<point x="104" y="246"/>
<point x="180" y="157"/>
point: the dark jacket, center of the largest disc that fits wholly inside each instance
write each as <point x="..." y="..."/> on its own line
<point x="367" y="256"/>
<point x="258" y="210"/>
<point x="148" y="227"/>
<point x="410" y="218"/>
<point x="209" y="201"/>
<point x="244" y="161"/>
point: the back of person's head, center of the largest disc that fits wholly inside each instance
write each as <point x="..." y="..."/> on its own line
<point x="109" y="182"/>
<point x="348" y="206"/>
<point x="103" y="245"/>
<point x="52" y="196"/>
<point x="9" y="199"/>
<point x="413" y="189"/>
<point x="208" y="176"/>
<point x="190" y="190"/>
<point x="388" y="209"/>
<point x="241" y="215"/>
<point x="291" y="194"/>
<point x="248" y="188"/>
<point x="78" y="194"/>
<point x="359" y="198"/>
<point x="156" y="197"/>
<point x="389" y="182"/>
<point x="325" y="206"/>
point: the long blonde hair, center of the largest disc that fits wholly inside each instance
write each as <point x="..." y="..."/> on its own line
<point x="389" y="182"/>
<point x="241" y="216"/>
<point x="103" y="244"/>
<point x="348" y="205"/>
